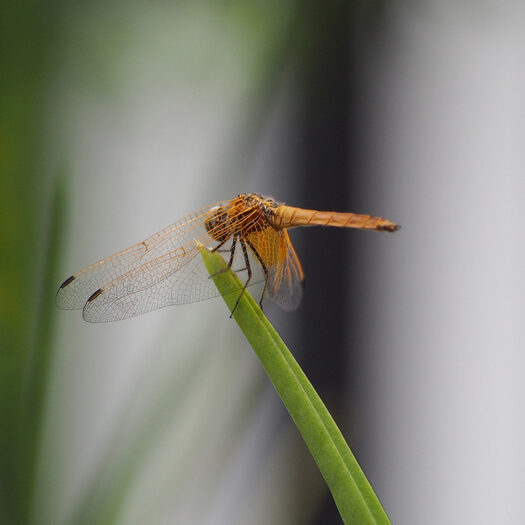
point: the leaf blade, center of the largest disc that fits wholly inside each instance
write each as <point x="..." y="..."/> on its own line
<point x="353" y="494"/>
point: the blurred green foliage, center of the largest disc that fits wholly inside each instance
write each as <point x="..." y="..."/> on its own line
<point x="31" y="220"/>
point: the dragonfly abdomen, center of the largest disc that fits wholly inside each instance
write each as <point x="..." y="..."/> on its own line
<point x="288" y="217"/>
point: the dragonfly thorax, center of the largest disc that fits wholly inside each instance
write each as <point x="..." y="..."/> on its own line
<point x="243" y="216"/>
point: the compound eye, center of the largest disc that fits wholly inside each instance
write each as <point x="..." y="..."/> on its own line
<point x="215" y="222"/>
<point x="213" y="218"/>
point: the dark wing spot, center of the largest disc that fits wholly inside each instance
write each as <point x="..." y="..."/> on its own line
<point x="95" y="295"/>
<point x="67" y="281"/>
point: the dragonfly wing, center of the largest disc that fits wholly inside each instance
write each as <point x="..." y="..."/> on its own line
<point x="77" y="289"/>
<point x="286" y="282"/>
<point x="184" y="284"/>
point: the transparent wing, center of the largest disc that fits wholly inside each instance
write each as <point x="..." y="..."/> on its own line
<point x="275" y="251"/>
<point x="286" y="282"/>
<point x="169" y="243"/>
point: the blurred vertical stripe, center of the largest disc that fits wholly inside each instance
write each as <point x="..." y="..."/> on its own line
<point x="29" y="221"/>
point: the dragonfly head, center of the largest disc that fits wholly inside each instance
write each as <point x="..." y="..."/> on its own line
<point x="218" y="224"/>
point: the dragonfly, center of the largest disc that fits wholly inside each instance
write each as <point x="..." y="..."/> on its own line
<point x="250" y="231"/>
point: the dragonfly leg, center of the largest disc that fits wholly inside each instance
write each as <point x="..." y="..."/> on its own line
<point x="232" y="254"/>
<point x="266" y="273"/>
<point x="232" y="251"/>
<point x="216" y="249"/>
<point x="249" y="270"/>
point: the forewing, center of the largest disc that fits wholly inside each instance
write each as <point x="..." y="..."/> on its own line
<point x="286" y="282"/>
<point x="162" y="253"/>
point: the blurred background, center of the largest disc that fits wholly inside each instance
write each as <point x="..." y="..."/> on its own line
<point x="118" y="119"/>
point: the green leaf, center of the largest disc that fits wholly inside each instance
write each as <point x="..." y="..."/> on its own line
<point x="353" y="495"/>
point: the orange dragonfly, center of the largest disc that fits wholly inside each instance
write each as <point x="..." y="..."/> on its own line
<point x="165" y="269"/>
